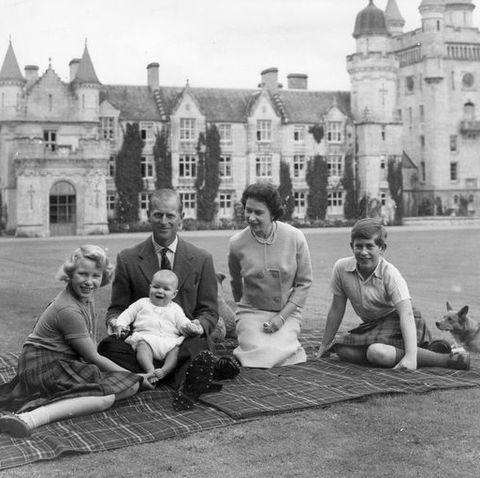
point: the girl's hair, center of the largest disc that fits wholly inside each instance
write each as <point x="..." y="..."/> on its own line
<point x="368" y="228"/>
<point x="91" y="252"/>
<point x="266" y="193"/>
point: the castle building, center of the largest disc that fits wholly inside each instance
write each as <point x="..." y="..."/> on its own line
<point x="413" y="99"/>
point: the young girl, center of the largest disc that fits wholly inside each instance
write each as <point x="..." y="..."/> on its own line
<point x="60" y="373"/>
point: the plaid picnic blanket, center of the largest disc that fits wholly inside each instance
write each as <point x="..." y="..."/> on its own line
<point x="149" y="416"/>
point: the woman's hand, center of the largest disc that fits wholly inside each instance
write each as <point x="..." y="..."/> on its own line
<point x="275" y="324"/>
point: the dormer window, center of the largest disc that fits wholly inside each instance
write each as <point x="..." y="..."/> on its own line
<point x="334" y="132"/>
<point x="264" y="130"/>
<point x="299" y="134"/>
<point x="225" y="132"/>
<point x="187" y="129"/>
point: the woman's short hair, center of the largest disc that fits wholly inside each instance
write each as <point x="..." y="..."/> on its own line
<point x="266" y="193"/>
<point x="89" y="251"/>
<point x="367" y="228"/>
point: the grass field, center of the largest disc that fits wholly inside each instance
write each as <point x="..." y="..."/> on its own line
<point x="416" y="435"/>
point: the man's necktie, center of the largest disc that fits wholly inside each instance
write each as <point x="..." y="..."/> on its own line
<point x="165" y="261"/>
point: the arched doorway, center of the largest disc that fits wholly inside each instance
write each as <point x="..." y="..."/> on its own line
<point x="63" y="209"/>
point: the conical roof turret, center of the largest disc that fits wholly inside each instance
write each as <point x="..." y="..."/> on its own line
<point x="10" y="70"/>
<point x="86" y="71"/>
<point x="370" y="21"/>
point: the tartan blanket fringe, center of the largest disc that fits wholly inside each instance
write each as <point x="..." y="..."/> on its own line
<point x="149" y="416"/>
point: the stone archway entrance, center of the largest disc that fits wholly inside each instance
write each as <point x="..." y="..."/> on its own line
<point x="63" y="209"/>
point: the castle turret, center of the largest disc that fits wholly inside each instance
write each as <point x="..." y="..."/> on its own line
<point x="433" y="15"/>
<point x="373" y="73"/>
<point x="87" y="87"/>
<point x="458" y="13"/>
<point x="394" y="19"/>
<point x="11" y="85"/>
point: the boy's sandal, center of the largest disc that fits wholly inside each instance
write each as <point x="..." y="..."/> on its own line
<point x="14" y="426"/>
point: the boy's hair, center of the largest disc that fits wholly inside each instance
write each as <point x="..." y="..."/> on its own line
<point x="91" y="252"/>
<point x="167" y="274"/>
<point x="368" y="228"/>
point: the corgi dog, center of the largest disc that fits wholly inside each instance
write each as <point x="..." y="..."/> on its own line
<point x="464" y="330"/>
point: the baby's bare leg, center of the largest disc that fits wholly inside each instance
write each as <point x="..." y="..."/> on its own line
<point x="169" y="364"/>
<point x="145" y="356"/>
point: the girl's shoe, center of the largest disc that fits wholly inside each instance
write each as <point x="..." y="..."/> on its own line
<point x="14" y="426"/>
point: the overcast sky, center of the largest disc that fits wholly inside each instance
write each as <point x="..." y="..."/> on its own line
<point x="218" y="43"/>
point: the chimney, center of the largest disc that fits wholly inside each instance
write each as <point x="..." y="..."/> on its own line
<point x="31" y="74"/>
<point x="153" y="76"/>
<point x="73" y="68"/>
<point x="270" y="79"/>
<point x="297" y="81"/>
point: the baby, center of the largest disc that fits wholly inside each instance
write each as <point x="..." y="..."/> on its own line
<point x="158" y="324"/>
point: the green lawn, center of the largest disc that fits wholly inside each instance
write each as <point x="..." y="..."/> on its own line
<point x="415" y="435"/>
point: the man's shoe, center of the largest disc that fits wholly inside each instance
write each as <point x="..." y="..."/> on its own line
<point x="226" y="368"/>
<point x="198" y="380"/>
<point x="459" y="359"/>
<point x="440" y="346"/>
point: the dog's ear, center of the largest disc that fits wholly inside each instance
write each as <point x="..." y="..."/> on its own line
<point x="220" y="277"/>
<point x="449" y="307"/>
<point x="462" y="313"/>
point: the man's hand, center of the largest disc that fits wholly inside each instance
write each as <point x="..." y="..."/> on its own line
<point x="193" y="329"/>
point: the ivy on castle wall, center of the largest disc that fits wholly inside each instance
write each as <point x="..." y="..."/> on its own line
<point x="317" y="131"/>
<point x="128" y="178"/>
<point x="351" y="207"/>
<point x="285" y="189"/>
<point x="162" y="157"/>
<point x="395" y="185"/>
<point x="208" y="177"/>
<point x="317" y="180"/>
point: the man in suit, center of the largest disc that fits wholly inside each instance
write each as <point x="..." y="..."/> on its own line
<point x="197" y="295"/>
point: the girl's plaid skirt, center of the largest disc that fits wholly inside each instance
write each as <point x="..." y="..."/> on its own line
<point x="44" y="376"/>
<point x="385" y="331"/>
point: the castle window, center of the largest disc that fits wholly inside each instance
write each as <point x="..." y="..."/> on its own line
<point x="423" y="172"/>
<point x="263" y="166"/>
<point x="50" y="103"/>
<point x="111" y="201"/>
<point x="50" y="139"/>
<point x="422" y="142"/>
<point x="146" y="131"/>
<point x="299" y="166"/>
<point x="111" y="166"/>
<point x="334" y="132"/>
<point x="422" y="113"/>
<point x="146" y="167"/>
<point x="225" y="132"/>
<point x="335" y="199"/>
<point x="409" y="84"/>
<point x="334" y="165"/>
<point x="383" y="167"/>
<point x="143" y="201"/>
<point x="453" y="171"/>
<point x="468" y="80"/>
<point x="383" y="133"/>
<point x="187" y="129"/>
<point x="469" y="110"/>
<point x="187" y="166"/>
<point x="299" y="134"/>
<point x="264" y="130"/>
<point x="453" y="143"/>
<point x="189" y="204"/>
<point x="225" y="166"/>
<point x="300" y="203"/>
<point x="107" y="127"/>
<point x="225" y="205"/>
<point x="410" y="117"/>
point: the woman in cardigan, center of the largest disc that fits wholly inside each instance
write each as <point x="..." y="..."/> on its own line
<point x="271" y="273"/>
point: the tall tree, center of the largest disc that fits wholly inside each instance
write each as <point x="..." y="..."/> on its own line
<point x="128" y="177"/>
<point x="317" y="180"/>
<point x="208" y="177"/>
<point x="351" y="208"/>
<point x="395" y="185"/>
<point x="163" y="158"/>
<point x="286" y="190"/>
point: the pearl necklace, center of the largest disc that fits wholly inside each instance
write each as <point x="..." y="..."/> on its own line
<point x="266" y="240"/>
